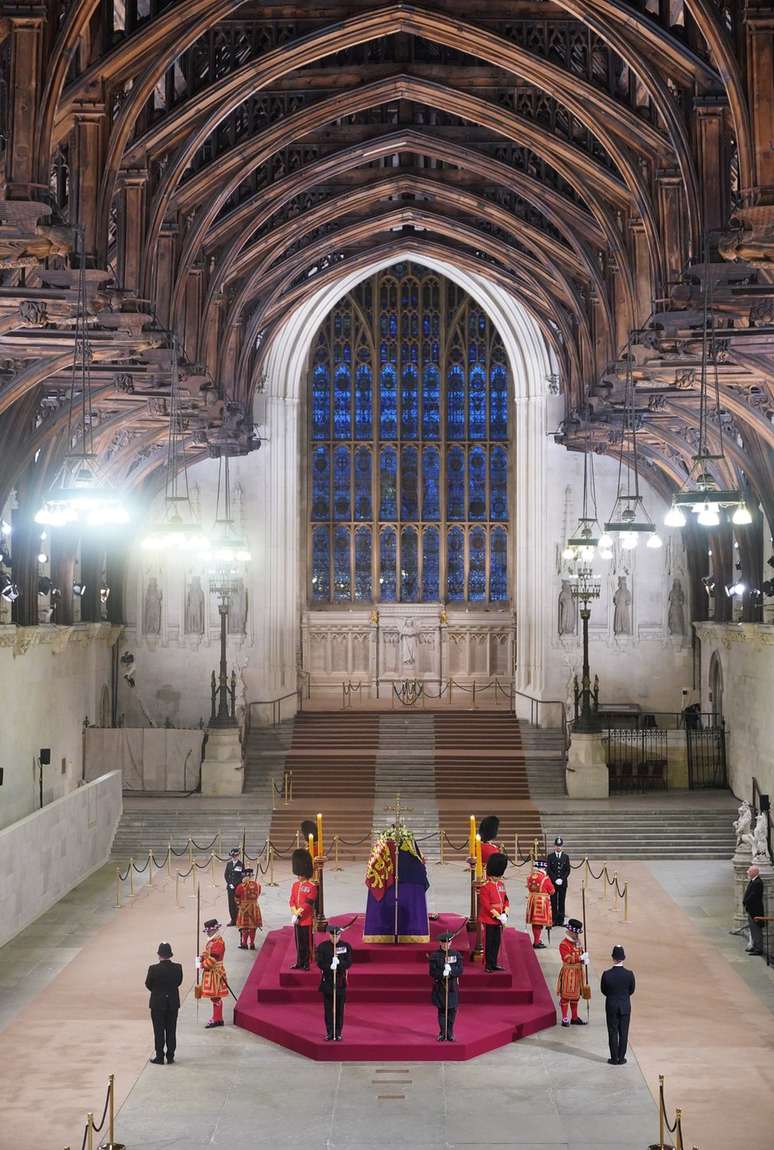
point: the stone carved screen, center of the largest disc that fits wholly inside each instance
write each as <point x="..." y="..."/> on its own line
<point x="408" y="447"/>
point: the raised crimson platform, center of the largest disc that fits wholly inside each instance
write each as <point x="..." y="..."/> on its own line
<point x="389" y="1016"/>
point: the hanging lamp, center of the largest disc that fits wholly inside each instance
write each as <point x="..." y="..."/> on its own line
<point x="228" y="549"/>
<point x="178" y="530"/>
<point x="629" y="518"/>
<point x="79" y="494"/>
<point x="700" y="492"/>
<point x="587" y="535"/>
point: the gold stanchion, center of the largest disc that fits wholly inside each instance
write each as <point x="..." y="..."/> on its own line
<point x="118" y="886"/>
<point x="131" y="876"/>
<point x="89" y="1131"/>
<point x="111" y="1143"/>
<point x="441" y="859"/>
<point x="336" y="852"/>
<point x="177" y="890"/>
<point x="290" y="786"/>
<point x="298" y="839"/>
<point x="220" y="842"/>
<point x="212" y="869"/>
<point x="271" y="865"/>
<point x="661" y="1111"/>
<point x="585" y="872"/>
<point x="169" y="859"/>
<point x="150" y="867"/>
<point x="515" y="846"/>
<point x="626" y="902"/>
<point x="273" y="787"/>
<point x="616" y="895"/>
<point x="678" y="1133"/>
<point x="190" y="851"/>
<point x="604" y="884"/>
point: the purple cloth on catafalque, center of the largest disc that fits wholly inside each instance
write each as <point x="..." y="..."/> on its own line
<point x="413" y="925"/>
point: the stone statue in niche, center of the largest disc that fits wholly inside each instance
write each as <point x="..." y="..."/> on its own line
<point x="151" y="610"/>
<point x="568" y="615"/>
<point x="408" y="643"/>
<point x="622" y="602"/>
<point x="743" y="823"/>
<point x="194" y="607"/>
<point x="676" y="616"/>
<point x="237" y="613"/>
<point x="758" y="841"/>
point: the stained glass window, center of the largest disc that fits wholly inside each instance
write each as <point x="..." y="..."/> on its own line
<point x="408" y="446"/>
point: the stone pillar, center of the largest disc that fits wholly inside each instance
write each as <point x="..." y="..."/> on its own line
<point x="24" y="81"/>
<point x="759" y="29"/>
<point x="222" y="768"/>
<point x="132" y="227"/>
<point x="586" y="772"/>
<point x="281" y="579"/>
<point x="531" y="558"/>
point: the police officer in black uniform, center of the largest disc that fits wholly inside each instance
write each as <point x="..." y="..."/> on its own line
<point x="558" y="867"/>
<point x="163" y="980"/>
<point x="445" y="971"/>
<point x="618" y="987"/>
<point x="233" y="875"/>
<point x="334" y="958"/>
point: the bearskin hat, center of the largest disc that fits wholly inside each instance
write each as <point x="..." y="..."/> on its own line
<point x="308" y="827"/>
<point x="301" y="863"/>
<point x="488" y="828"/>
<point x="495" y="865"/>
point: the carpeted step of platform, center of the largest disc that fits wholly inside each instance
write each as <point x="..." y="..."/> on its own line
<point x="389" y="1016"/>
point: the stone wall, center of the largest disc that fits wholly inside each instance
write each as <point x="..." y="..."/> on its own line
<point x="65" y="841"/>
<point x="742" y="692"/>
<point x="53" y="678"/>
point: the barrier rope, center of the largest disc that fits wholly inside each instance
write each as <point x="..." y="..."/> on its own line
<point x="96" y="1128"/>
<point x="199" y="847"/>
<point x="354" y="842"/>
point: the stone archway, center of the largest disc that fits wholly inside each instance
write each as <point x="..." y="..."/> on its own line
<point x="715" y="685"/>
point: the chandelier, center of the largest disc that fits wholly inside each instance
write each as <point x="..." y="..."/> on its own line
<point x="227" y="550"/>
<point x="178" y="530"/>
<point x="700" y="491"/>
<point x="629" y="517"/>
<point x="79" y="495"/>
<point x="580" y="546"/>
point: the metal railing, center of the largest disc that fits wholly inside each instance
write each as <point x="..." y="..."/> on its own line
<point x="636" y="758"/>
<point x="413" y="692"/>
<point x="302" y="691"/>
<point x="537" y="714"/>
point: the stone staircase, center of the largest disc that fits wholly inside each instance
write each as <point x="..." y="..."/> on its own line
<point x="405" y="765"/>
<point x="647" y="832"/>
<point x="142" y="829"/>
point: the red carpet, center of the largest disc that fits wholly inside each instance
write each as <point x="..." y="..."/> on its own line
<point x="389" y="1016"/>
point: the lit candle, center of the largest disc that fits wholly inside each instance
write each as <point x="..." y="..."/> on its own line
<point x="479" y="860"/>
<point x="311" y="845"/>
<point x="320" y="849"/>
<point x="472" y="838"/>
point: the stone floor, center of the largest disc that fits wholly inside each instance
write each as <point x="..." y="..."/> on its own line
<point x="73" y="1009"/>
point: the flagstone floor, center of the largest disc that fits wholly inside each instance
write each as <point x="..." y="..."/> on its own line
<point x="73" y="1008"/>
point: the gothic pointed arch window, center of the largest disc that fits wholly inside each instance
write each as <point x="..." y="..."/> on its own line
<point x="408" y="456"/>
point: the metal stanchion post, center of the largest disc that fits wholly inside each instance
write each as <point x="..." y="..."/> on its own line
<point x="585" y="872"/>
<point x="515" y="846"/>
<point x="441" y="859"/>
<point x="212" y="869"/>
<point x="678" y="1132"/>
<point x="169" y="859"/>
<point x="89" y="1131"/>
<point x="150" y="867"/>
<point x="118" y="886"/>
<point x="131" y="876"/>
<point x="220" y="843"/>
<point x="336" y="852"/>
<point x="190" y="851"/>
<point x="626" y="902"/>
<point x="177" y="890"/>
<point x="111" y="1143"/>
<point x="273" y="785"/>
<point x="616" y="896"/>
<point x="271" y="865"/>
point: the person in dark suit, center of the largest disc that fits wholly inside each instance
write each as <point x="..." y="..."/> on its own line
<point x="334" y="958"/>
<point x="558" y="867"/>
<point x="163" y="980"/>
<point x="445" y="971"/>
<point x="233" y="875"/>
<point x="618" y="988"/>
<point x="752" y="901"/>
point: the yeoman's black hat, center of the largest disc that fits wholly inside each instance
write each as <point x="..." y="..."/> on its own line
<point x="211" y="923"/>
<point x="301" y="862"/>
<point x="575" y="925"/>
<point x="495" y="865"/>
<point x="488" y="828"/>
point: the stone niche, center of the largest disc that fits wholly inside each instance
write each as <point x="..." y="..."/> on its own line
<point x="397" y="642"/>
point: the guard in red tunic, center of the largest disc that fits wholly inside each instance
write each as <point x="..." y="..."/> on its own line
<point x="570" y="983"/>
<point x="213" y="984"/>
<point x="249" y="914"/>
<point x="493" y="909"/>
<point x="303" y="896"/>
<point x="538" y="915"/>
<point x="487" y="830"/>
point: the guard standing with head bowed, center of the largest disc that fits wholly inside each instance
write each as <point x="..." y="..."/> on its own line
<point x="213" y="984"/>
<point x="487" y="831"/>
<point x="163" y="980"/>
<point x="249" y="914"/>
<point x="334" y="958"/>
<point x="570" y="983"/>
<point x="538" y="914"/>
<point x="493" y="909"/>
<point x="618" y="987"/>
<point x="558" y="867"/>
<point x="233" y="876"/>
<point x="303" y="895"/>
<point x="445" y="971"/>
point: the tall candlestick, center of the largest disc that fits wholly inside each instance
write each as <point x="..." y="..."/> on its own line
<point x="472" y="838"/>
<point x="320" y="849"/>
<point x="311" y="845"/>
<point x="479" y="860"/>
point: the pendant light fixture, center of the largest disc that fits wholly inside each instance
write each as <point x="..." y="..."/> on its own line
<point x="79" y="495"/>
<point x="629" y="518"/>
<point x="587" y="536"/>
<point x="178" y="530"/>
<point x="700" y="492"/>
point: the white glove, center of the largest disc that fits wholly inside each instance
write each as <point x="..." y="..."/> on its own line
<point x="295" y="918"/>
<point x="446" y="970"/>
<point x="585" y="958"/>
<point x="559" y="881"/>
<point x="334" y="962"/>
<point x="198" y="963"/>
<point x="503" y="918"/>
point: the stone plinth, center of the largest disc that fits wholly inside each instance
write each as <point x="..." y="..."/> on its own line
<point x="222" y="769"/>
<point x="587" y="775"/>
<point x="741" y="861"/>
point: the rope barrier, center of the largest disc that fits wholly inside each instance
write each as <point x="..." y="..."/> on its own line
<point x="199" y="847"/>
<point x="108" y="1115"/>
